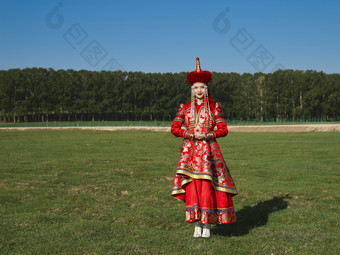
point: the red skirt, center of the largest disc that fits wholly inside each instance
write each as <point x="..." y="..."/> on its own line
<point x="204" y="204"/>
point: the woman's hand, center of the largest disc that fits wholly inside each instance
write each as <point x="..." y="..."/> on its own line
<point x="209" y="136"/>
<point x="200" y="136"/>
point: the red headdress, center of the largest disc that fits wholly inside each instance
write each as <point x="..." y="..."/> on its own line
<point x="198" y="75"/>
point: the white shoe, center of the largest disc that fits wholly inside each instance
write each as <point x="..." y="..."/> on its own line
<point x="206" y="231"/>
<point x="198" y="230"/>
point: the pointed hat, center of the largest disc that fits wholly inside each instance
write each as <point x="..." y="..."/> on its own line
<point x="198" y="75"/>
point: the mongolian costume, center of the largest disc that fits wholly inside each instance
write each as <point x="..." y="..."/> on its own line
<point x="202" y="179"/>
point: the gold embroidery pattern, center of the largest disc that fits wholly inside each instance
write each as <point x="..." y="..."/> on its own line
<point x="196" y="215"/>
<point x="202" y="159"/>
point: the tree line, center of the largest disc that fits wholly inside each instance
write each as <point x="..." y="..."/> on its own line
<point x="40" y="94"/>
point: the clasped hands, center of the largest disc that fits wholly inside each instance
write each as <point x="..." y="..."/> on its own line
<point x="199" y="136"/>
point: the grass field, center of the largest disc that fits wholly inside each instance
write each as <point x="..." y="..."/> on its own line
<point x="100" y="192"/>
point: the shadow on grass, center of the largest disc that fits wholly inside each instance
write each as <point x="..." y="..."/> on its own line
<point x="251" y="217"/>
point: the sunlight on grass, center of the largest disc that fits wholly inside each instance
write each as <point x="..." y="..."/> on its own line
<point x="101" y="192"/>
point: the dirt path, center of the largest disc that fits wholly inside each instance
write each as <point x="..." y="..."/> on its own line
<point x="257" y="128"/>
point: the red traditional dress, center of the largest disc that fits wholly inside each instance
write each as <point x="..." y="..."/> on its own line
<point x="202" y="178"/>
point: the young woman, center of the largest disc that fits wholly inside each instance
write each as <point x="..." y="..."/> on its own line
<point x="202" y="178"/>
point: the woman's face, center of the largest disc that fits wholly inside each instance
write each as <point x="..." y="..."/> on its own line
<point x="199" y="90"/>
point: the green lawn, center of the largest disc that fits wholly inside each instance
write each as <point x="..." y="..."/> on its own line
<point x="101" y="192"/>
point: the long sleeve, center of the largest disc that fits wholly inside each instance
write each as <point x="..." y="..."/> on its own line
<point x="176" y="125"/>
<point x="222" y="129"/>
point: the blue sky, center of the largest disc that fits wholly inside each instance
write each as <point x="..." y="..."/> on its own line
<point x="167" y="36"/>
